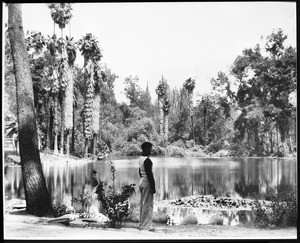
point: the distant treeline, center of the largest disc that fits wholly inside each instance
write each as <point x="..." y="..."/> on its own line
<point x="77" y="111"/>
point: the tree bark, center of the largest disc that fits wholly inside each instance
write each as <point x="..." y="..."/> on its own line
<point x="94" y="144"/>
<point x="69" y="121"/>
<point x="86" y="147"/>
<point x="73" y="134"/>
<point x="193" y="132"/>
<point x="55" y="125"/>
<point x="69" y="134"/>
<point x="204" y="139"/>
<point x="271" y="140"/>
<point x="161" y="116"/>
<point x="166" y="127"/>
<point x="62" y="128"/>
<point x="96" y="120"/>
<point x="38" y="201"/>
<point x="48" y="133"/>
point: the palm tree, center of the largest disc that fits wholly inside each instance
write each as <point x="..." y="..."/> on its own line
<point x="89" y="48"/>
<point x="189" y="85"/>
<point x="55" y="90"/>
<point x="71" y="51"/>
<point x="161" y="91"/>
<point x="64" y="81"/>
<point x="166" y="109"/>
<point x="61" y="15"/>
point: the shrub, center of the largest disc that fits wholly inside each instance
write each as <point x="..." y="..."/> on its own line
<point x="189" y="219"/>
<point x="132" y="149"/>
<point x="189" y="144"/>
<point x="179" y="143"/>
<point x="175" y="151"/>
<point x="116" y="206"/>
<point x="60" y="209"/>
<point x="282" y="211"/>
<point x="216" y="220"/>
<point x="86" y="200"/>
<point x="214" y="147"/>
<point x="157" y="150"/>
<point x="238" y="150"/>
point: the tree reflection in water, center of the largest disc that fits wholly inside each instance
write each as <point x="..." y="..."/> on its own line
<point x="175" y="177"/>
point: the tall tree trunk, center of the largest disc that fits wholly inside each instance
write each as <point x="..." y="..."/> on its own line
<point x="69" y="107"/>
<point x="257" y="145"/>
<point x="290" y="143"/>
<point x="73" y="134"/>
<point x="271" y="140"/>
<point x="55" y="125"/>
<point x="166" y="127"/>
<point x="190" y="98"/>
<point x="161" y="116"/>
<point x="96" y="120"/>
<point x="69" y="134"/>
<point x="204" y="139"/>
<point x="48" y="134"/>
<point x="94" y="143"/>
<point x="86" y="146"/>
<point x="51" y="121"/>
<point x="193" y="132"/>
<point x="88" y="104"/>
<point x="277" y="140"/>
<point x="38" y="201"/>
<point x="62" y="128"/>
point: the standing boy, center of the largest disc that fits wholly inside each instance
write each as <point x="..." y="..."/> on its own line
<point x="147" y="188"/>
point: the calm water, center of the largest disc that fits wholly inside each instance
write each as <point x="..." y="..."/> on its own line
<point x="175" y="177"/>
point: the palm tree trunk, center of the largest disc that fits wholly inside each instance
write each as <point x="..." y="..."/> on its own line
<point x="271" y="140"/>
<point x="48" y="132"/>
<point x="55" y="125"/>
<point x="94" y="143"/>
<point x="86" y="146"/>
<point x="193" y="132"/>
<point x="69" y="134"/>
<point x="166" y="127"/>
<point x="161" y="117"/>
<point x="96" y="120"/>
<point x="190" y="98"/>
<point x="69" y="107"/>
<point x="277" y="140"/>
<point x="204" y="139"/>
<point x="62" y="131"/>
<point x="38" y="201"/>
<point x="73" y="133"/>
<point x="88" y="105"/>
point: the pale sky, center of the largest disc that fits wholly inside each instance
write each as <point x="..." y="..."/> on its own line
<point x="176" y="40"/>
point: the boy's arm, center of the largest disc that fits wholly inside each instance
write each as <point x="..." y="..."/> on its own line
<point x="148" y="169"/>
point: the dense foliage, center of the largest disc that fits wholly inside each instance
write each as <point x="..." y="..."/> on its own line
<point x="249" y="112"/>
<point x="282" y="212"/>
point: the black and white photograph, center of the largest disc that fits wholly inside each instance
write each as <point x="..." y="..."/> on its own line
<point x="149" y="121"/>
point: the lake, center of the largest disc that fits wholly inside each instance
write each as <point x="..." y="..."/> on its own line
<point x="175" y="177"/>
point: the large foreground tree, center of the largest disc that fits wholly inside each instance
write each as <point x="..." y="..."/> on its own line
<point x="37" y="197"/>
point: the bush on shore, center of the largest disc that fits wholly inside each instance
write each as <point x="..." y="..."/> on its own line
<point x="281" y="213"/>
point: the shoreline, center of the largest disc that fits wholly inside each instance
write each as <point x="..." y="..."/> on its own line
<point x="25" y="226"/>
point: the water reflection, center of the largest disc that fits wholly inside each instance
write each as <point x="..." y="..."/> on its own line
<point x="175" y="177"/>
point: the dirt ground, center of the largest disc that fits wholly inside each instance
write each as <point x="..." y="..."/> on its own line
<point x="23" y="226"/>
